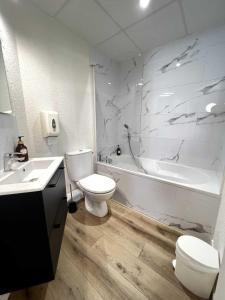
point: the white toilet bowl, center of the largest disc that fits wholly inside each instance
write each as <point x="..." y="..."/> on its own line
<point x="97" y="190"/>
<point x="197" y="265"/>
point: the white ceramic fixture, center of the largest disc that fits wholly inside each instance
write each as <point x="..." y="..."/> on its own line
<point x="197" y="265"/>
<point x="31" y="176"/>
<point x="97" y="188"/>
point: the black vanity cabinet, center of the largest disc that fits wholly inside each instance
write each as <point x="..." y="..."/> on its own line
<point x="31" y="231"/>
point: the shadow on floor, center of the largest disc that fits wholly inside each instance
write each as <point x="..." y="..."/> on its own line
<point x="84" y="217"/>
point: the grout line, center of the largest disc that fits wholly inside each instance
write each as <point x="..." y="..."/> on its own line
<point x="61" y="8"/>
<point x="120" y="27"/>
<point x="42" y="10"/>
<point x="108" y="38"/>
<point x="54" y="17"/>
<point x="131" y="39"/>
<point x="150" y="14"/>
<point x="123" y="30"/>
<point x="183" y="16"/>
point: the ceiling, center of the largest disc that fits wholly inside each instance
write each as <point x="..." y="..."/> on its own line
<point x="121" y="29"/>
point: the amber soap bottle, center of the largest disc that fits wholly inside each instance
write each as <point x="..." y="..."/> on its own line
<point x="22" y="149"/>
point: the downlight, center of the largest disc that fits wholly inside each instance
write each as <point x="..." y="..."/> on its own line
<point x="144" y="3"/>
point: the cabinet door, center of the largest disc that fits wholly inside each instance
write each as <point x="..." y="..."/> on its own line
<point x="57" y="233"/>
<point x="53" y="195"/>
<point x="25" y="258"/>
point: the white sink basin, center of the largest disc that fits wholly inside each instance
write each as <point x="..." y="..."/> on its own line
<point x="30" y="176"/>
<point x="28" y="172"/>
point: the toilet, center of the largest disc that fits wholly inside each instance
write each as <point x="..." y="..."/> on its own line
<point x="96" y="188"/>
<point x="197" y="265"/>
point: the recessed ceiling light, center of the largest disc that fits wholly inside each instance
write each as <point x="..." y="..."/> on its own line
<point x="109" y="83"/>
<point x="144" y="3"/>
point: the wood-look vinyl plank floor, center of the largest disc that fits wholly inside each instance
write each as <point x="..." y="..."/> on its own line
<point x="122" y="256"/>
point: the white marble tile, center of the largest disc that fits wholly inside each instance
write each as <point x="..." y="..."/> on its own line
<point x="183" y="99"/>
<point x="172" y="99"/>
<point x="214" y="62"/>
<point x="178" y="207"/>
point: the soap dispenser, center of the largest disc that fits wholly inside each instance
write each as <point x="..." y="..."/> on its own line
<point x="118" y="150"/>
<point x="22" y="149"/>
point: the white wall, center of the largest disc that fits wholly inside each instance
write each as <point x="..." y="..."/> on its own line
<point x="7" y="134"/>
<point x="9" y="127"/>
<point x="55" y="75"/>
<point x="4" y="91"/>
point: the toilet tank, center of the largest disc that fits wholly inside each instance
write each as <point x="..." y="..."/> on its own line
<point x="79" y="164"/>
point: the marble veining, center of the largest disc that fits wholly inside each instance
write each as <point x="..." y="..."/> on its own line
<point x="179" y="60"/>
<point x="190" y="211"/>
<point x="185" y="116"/>
<point x="172" y="100"/>
<point x="210" y="88"/>
<point x="175" y="157"/>
<point x="171" y="105"/>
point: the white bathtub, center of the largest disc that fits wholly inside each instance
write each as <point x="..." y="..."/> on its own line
<point x="177" y="195"/>
<point x="181" y="175"/>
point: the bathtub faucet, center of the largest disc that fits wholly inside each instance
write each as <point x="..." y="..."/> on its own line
<point x="108" y="160"/>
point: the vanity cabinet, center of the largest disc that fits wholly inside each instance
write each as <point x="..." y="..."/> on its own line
<point x="31" y="231"/>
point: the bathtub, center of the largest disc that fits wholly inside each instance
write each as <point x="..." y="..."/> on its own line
<point x="180" y="196"/>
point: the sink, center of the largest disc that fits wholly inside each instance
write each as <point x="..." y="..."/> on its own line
<point x="29" y="172"/>
<point x="30" y="176"/>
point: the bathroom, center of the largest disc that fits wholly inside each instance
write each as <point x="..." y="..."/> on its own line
<point x="133" y="90"/>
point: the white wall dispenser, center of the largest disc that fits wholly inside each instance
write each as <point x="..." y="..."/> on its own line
<point x="50" y="123"/>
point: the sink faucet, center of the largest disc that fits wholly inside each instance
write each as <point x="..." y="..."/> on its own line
<point x="8" y="158"/>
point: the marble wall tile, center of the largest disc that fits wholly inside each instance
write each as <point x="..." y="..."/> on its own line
<point x="172" y="99"/>
<point x="173" y="95"/>
<point x="185" y="80"/>
<point x="191" y="211"/>
<point x="108" y="106"/>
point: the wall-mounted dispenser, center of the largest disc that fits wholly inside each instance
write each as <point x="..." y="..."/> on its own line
<point x="50" y="123"/>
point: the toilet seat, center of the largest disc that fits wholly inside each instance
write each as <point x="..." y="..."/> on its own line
<point x="97" y="184"/>
<point x="198" y="251"/>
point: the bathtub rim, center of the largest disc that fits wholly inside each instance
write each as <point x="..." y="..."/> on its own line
<point x="165" y="181"/>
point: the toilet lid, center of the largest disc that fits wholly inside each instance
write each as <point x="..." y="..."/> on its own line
<point x="199" y="251"/>
<point x="98" y="184"/>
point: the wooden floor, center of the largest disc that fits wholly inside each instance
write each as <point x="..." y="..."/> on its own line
<point x="122" y="256"/>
